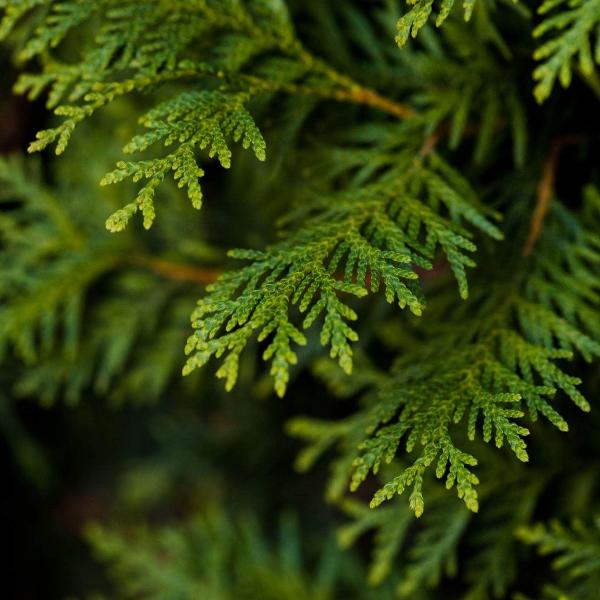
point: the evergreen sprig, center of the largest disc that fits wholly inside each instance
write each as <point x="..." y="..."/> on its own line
<point x="54" y="260"/>
<point x="356" y="242"/>
<point x="428" y="550"/>
<point x="490" y="373"/>
<point x="228" y="51"/>
<point x="370" y="202"/>
<point x="46" y="266"/>
<point x="418" y="15"/>
<point x="569" y="32"/>
<point x="451" y="99"/>
<point x="180" y="561"/>
<point x="576" y="552"/>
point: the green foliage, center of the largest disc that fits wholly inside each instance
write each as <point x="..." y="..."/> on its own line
<point x="228" y="52"/>
<point x="505" y="363"/>
<point x="374" y="234"/>
<point x="44" y="271"/>
<point x="191" y="120"/>
<point x="389" y="175"/>
<point x="569" y="27"/>
<point x="54" y="260"/>
<point x="568" y="32"/>
<point x="451" y="98"/>
<point x="427" y="551"/>
<point x="508" y="504"/>
<point x="577" y="556"/>
<point x="213" y="556"/>
<point x="432" y="552"/>
<point x="194" y="119"/>
<point x="418" y="15"/>
<point x="13" y="10"/>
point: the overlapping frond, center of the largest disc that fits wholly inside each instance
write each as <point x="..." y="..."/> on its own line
<point x="182" y="561"/>
<point x="194" y="120"/>
<point x="569" y="33"/>
<point x="369" y="238"/>
<point x="426" y="552"/>
<point x="576" y="556"/>
<point x="208" y="58"/>
<point x="480" y="103"/>
<point x="46" y="266"/>
<point x="53" y="261"/>
<point x="129" y="59"/>
<point x="374" y="220"/>
<point x="485" y="376"/>
<point x="431" y="553"/>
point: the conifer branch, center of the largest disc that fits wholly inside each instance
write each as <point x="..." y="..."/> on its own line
<point x="376" y="234"/>
<point x="250" y="46"/>
<point x="371" y="98"/>
<point x="341" y="88"/>
<point x="352" y="91"/>
<point x="575" y="551"/>
<point x="363" y="200"/>
<point x="569" y="36"/>
<point x="502" y="366"/>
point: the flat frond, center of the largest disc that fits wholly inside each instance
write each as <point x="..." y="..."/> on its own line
<point x="569" y="32"/>
<point x="355" y="243"/>
<point x="247" y="564"/>
<point x="418" y="15"/>
<point x="576" y="556"/>
<point x="484" y="379"/>
<point x="210" y="59"/>
<point x="54" y="259"/>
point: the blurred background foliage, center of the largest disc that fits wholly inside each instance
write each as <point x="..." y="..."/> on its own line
<point x="126" y="481"/>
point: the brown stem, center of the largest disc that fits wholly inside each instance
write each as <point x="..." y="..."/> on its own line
<point x="351" y="91"/>
<point x="345" y="90"/>
<point x="545" y="190"/>
<point x="371" y="98"/>
<point x="178" y="272"/>
<point x="431" y="142"/>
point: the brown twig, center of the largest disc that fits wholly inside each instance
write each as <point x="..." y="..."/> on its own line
<point x="431" y="141"/>
<point x="176" y="271"/>
<point x="545" y="190"/>
<point x="371" y="98"/>
<point x="349" y="90"/>
<point x="346" y="91"/>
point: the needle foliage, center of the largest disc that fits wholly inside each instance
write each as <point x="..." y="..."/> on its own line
<point x="397" y="263"/>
